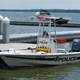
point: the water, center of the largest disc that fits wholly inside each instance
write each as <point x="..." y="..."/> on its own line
<point x="63" y="72"/>
<point x="26" y="16"/>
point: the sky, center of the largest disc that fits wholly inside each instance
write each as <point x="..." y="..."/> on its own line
<point x="39" y="4"/>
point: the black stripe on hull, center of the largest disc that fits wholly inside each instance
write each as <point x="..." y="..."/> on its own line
<point x="31" y="58"/>
<point x="47" y="59"/>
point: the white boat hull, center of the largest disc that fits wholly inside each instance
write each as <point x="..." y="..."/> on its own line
<point x="36" y="60"/>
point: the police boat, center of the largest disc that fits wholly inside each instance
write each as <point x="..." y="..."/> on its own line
<point x="46" y="52"/>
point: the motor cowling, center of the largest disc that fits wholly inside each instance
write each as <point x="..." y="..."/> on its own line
<point x="75" y="45"/>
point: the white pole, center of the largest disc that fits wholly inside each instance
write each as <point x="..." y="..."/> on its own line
<point x="55" y="35"/>
<point x="39" y="34"/>
<point x="50" y="33"/>
<point x="1" y="25"/>
<point x="6" y="23"/>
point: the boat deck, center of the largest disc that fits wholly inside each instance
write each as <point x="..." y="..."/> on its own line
<point x="16" y="46"/>
<point x="28" y="49"/>
<point x="22" y="49"/>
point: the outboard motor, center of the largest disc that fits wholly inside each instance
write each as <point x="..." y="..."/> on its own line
<point x="75" y="45"/>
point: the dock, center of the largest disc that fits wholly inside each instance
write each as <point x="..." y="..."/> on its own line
<point x="32" y="23"/>
<point x="5" y="37"/>
<point x="32" y="37"/>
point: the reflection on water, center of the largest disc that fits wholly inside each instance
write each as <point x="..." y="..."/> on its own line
<point x="73" y="75"/>
<point x="63" y="72"/>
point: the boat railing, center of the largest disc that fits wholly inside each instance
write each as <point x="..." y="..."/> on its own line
<point x="62" y="51"/>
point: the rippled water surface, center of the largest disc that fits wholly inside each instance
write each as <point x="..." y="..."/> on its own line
<point x="62" y="72"/>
